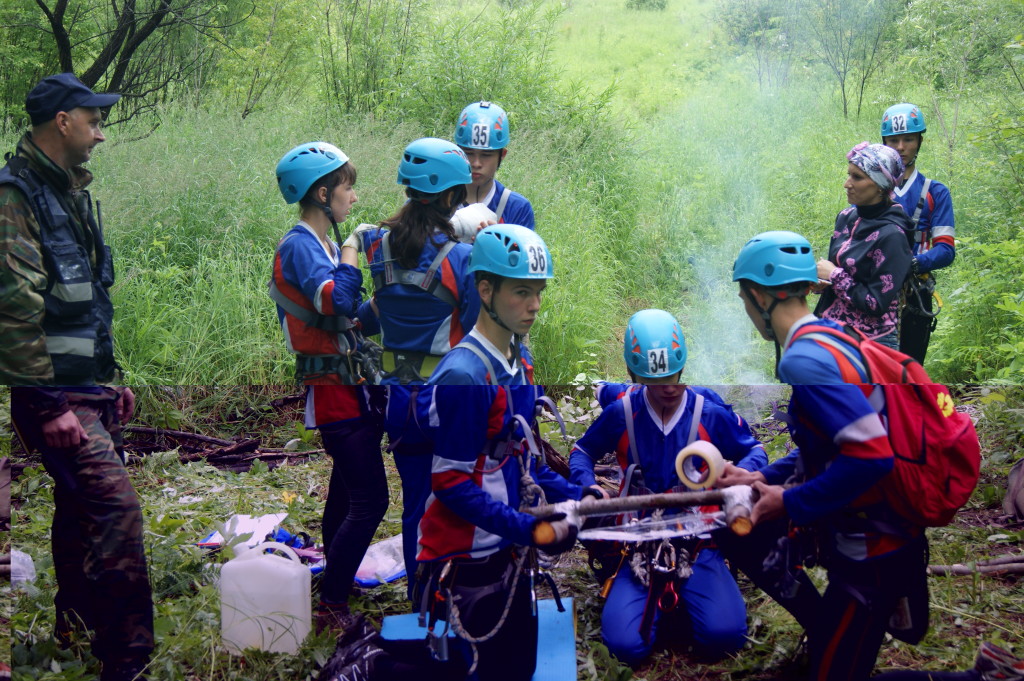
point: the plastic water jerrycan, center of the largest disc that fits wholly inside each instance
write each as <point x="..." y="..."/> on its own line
<point x="265" y="600"/>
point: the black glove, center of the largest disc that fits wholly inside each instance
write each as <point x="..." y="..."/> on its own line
<point x="591" y="492"/>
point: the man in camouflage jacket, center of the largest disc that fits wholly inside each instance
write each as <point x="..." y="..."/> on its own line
<point x="56" y="271"/>
<point x="55" y="320"/>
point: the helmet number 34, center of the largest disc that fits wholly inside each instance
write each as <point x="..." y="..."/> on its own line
<point x="538" y="259"/>
<point x="481" y="134"/>
<point x="899" y="123"/>
<point x="657" y="360"/>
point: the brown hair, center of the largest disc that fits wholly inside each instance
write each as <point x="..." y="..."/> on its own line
<point x="346" y="173"/>
<point x="419" y="218"/>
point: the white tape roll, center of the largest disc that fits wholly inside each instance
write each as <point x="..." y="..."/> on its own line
<point x="466" y="221"/>
<point x="699" y="465"/>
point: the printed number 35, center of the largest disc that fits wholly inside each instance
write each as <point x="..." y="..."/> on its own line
<point x="481" y="134"/>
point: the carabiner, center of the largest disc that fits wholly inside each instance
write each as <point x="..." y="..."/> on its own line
<point x="669" y="599"/>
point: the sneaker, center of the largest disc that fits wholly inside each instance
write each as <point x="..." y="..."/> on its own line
<point x="996" y="664"/>
<point x="355" y="653"/>
<point x="361" y="668"/>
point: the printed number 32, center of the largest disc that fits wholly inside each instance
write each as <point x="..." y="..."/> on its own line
<point x="481" y="134"/>
<point x="899" y="123"/>
<point x="657" y="360"/>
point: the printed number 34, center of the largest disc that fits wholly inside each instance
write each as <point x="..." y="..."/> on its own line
<point x="657" y="360"/>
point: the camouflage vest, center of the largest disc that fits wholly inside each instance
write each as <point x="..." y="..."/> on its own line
<point x="78" y="310"/>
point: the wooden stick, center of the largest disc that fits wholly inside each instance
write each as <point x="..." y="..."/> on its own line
<point x="959" y="569"/>
<point x="145" y="430"/>
<point x="737" y="503"/>
<point x="1003" y="560"/>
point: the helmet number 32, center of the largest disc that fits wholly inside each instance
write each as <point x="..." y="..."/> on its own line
<point x="538" y="259"/>
<point x="899" y="123"/>
<point x="657" y="360"/>
<point x="481" y="134"/>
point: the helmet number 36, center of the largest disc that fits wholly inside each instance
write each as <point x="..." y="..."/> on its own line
<point x="538" y="259"/>
<point x="899" y="123"/>
<point x="481" y="134"/>
<point x="657" y="360"/>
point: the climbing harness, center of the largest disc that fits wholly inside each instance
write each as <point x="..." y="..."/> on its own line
<point x="438" y="600"/>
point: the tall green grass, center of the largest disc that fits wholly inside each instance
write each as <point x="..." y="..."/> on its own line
<point x="650" y="156"/>
<point x="193" y="215"/>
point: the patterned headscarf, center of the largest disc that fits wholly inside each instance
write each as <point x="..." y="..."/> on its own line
<point x="881" y="163"/>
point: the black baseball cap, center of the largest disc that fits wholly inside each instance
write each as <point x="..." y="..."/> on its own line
<point x="63" y="92"/>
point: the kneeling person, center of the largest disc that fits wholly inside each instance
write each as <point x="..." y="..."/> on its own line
<point x="646" y="428"/>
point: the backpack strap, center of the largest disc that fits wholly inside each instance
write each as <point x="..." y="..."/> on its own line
<point x="427" y="281"/>
<point x="492" y="377"/>
<point x="627" y="410"/>
<point x="844" y="348"/>
<point x="505" y="193"/>
<point x="698" y="407"/>
<point x="916" y="217"/>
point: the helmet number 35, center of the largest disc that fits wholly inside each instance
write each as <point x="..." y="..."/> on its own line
<point x="538" y="259"/>
<point x="899" y="123"/>
<point x="657" y="360"/>
<point x="481" y="134"/>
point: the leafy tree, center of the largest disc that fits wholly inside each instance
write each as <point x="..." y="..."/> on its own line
<point x="140" y="48"/>
<point x="849" y="37"/>
<point x="364" y="48"/>
<point x="768" y="28"/>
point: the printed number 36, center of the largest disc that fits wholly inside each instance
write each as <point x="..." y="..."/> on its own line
<point x="657" y="360"/>
<point x="538" y="260"/>
<point x="481" y="134"/>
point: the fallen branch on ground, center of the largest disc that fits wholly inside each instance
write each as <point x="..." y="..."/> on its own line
<point x="960" y="569"/>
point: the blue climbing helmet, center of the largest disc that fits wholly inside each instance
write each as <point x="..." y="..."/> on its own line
<point x="775" y="259"/>
<point x="902" y="119"/>
<point x="305" y="164"/>
<point x="431" y="165"/>
<point x="654" y="346"/>
<point x="483" y="125"/>
<point x="511" y="251"/>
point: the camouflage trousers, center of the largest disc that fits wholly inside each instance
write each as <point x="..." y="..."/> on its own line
<point x="100" y="565"/>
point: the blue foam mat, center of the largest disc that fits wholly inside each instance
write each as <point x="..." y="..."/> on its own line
<point x="556" y="638"/>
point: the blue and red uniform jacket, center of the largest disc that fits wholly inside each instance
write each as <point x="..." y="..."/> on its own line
<point x="464" y="367"/>
<point x="658" y="443"/>
<point x="313" y="278"/>
<point x="413" y="319"/>
<point x="934" y="245"/>
<point x="473" y="506"/>
<point x="843" y="451"/>
<point x="518" y="210"/>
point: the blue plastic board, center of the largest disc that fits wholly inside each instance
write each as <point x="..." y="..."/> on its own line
<point x="556" y="634"/>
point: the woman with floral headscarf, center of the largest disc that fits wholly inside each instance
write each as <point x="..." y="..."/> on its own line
<point x="869" y="255"/>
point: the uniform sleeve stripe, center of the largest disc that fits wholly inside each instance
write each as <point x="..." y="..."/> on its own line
<point x="879" y="448"/>
<point x="323" y="299"/>
<point x="440" y="480"/>
<point x="864" y="429"/>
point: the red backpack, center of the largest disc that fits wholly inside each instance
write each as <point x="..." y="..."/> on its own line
<point x="937" y="452"/>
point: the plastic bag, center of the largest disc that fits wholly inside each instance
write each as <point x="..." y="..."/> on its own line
<point x="382" y="563"/>
<point x="23" y="570"/>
